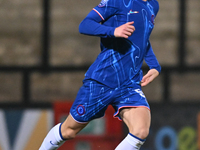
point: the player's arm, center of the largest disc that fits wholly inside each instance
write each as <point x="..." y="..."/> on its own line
<point x="91" y="25"/>
<point x="151" y="59"/>
<point x="154" y="66"/>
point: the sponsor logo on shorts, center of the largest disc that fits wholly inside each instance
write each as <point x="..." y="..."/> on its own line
<point x="80" y="110"/>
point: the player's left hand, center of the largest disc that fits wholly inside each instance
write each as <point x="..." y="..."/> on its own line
<point x="149" y="77"/>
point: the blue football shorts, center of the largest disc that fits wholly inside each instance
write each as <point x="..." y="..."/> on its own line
<point x="93" y="99"/>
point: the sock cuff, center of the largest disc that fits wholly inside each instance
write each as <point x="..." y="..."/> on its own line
<point x="134" y="140"/>
<point x="60" y="133"/>
<point x="57" y="133"/>
<point x="142" y="140"/>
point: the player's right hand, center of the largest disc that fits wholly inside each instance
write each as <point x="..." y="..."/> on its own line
<point x="125" y="30"/>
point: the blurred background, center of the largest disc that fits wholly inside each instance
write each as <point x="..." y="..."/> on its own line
<point x="43" y="59"/>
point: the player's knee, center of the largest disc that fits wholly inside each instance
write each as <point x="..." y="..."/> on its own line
<point x="69" y="134"/>
<point x="144" y="133"/>
<point x="141" y="133"/>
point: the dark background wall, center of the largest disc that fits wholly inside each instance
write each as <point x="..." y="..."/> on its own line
<point x="43" y="60"/>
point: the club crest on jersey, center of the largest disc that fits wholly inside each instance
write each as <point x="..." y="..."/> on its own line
<point x="103" y="3"/>
<point x="80" y="110"/>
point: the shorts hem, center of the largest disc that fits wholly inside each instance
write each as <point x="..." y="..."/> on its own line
<point x="78" y="121"/>
<point x="116" y="114"/>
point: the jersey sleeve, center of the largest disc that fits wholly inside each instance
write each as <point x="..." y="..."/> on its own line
<point x="151" y="59"/>
<point x="92" y="24"/>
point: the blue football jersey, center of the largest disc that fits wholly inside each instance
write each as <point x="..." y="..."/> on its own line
<point x="120" y="60"/>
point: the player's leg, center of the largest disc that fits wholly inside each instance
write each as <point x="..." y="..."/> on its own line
<point x="138" y="122"/>
<point x="70" y="128"/>
<point x="90" y="103"/>
<point x="60" y="133"/>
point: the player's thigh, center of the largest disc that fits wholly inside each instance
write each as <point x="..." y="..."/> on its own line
<point x="91" y="102"/>
<point x="137" y="119"/>
<point x="70" y="127"/>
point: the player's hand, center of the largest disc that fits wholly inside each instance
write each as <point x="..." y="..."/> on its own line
<point x="125" y="30"/>
<point x="149" y="77"/>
